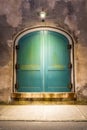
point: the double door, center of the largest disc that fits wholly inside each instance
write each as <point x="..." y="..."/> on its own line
<point x="43" y="60"/>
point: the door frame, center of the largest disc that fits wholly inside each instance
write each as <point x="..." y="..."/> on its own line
<point x="54" y="29"/>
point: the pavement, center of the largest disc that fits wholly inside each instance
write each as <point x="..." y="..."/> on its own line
<point x="43" y="112"/>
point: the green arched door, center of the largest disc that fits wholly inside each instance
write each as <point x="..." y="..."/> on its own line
<point x="43" y="60"/>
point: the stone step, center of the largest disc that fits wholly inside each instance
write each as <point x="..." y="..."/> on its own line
<point x="63" y="96"/>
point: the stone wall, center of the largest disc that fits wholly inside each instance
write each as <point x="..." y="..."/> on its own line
<point x="81" y="71"/>
<point x="15" y="15"/>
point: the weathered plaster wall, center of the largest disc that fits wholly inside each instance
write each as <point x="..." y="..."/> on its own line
<point x="16" y="15"/>
<point x="81" y="71"/>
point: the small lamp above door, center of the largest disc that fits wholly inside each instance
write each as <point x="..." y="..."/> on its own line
<point x="43" y="15"/>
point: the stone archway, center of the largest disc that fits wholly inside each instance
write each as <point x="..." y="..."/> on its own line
<point x="44" y="58"/>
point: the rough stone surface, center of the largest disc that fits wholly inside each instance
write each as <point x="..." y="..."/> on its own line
<point x="15" y="15"/>
<point x="81" y="71"/>
<point x="5" y="82"/>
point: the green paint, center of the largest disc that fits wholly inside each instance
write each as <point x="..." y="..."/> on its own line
<point x="43" y="58"/>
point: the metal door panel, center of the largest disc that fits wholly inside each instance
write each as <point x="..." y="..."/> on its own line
<point x="29" y="77"/>
<point x="43" y="60"/>
<point x="58" y="58"/>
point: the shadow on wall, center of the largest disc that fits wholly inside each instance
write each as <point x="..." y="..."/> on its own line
<point x="4" y="54"/>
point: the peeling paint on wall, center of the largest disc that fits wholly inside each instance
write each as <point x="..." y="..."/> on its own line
<point x="51" y="3"/>
<point x="4" y="54"/>
<point x="71" y="22"/>
<point x="12" y="10"/>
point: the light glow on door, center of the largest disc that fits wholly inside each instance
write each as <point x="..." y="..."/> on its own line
<point x="43" y="60"/>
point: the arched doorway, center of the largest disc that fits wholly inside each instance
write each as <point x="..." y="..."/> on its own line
<point x="44" y="58"/>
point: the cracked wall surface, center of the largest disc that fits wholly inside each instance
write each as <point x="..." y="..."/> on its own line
<point x="16" y="15"/>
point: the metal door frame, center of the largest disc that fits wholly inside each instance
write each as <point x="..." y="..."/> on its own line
<point x="54" y="29"/>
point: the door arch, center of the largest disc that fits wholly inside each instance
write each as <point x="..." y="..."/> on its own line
<point x="44" y="61"/>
